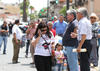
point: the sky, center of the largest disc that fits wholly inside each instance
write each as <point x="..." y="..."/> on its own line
<point x="38" y="4"/>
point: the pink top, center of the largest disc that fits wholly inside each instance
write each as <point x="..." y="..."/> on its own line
<point x="59" y="56"/>
<point x="31" y="33"/>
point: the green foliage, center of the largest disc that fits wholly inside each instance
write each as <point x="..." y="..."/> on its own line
<point x="63" y="11"/>
<point x="27" y="4"/>
<point x="33" y="15"/>
<point x="31" y="7"/>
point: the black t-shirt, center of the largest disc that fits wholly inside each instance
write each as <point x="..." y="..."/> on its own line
<point x="67" y="40"/>
<point x="4" y="33"/>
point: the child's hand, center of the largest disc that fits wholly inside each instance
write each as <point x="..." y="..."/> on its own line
<point x="65" y="64"/>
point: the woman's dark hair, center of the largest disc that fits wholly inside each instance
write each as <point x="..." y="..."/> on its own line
<point x="40" y="26"/>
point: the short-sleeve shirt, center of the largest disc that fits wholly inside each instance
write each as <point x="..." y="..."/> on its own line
<point x="17" y="31"/>
<point x="54" y="32"/>
<point x="59" y="54"/>
<point x="39" y="49"/>
<point x="60" y="27"/>
<point x="84" y="27"/>
<point x="4" y="28"/>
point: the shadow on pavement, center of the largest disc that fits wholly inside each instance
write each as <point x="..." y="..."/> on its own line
<point x="24" y="57"/>
<point x="31" y="65"/>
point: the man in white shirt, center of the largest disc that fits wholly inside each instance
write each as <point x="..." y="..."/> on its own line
<point x="17" y="35"/>
<point x="84" y="37"/>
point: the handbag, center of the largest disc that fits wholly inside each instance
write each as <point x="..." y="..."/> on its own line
<point x="23" y="41"/>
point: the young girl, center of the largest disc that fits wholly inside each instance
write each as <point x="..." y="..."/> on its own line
<point x="59" y="55"/>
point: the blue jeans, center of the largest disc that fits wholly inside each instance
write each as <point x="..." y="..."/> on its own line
<point x="58" y="67"/>
<point x="3" y="38"/>
<point x="72" y="58"/>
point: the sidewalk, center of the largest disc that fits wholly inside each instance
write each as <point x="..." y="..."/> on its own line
<point x="6" y="60"/>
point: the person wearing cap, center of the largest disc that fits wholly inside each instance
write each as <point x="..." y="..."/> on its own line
<point x="84" y="38"/>
<point x="3" y="36"/>
<point x="17" y="35"/>
<point x="70" y="43"/>
<point x="94" y="42"/>
<point x="60" y="26"/>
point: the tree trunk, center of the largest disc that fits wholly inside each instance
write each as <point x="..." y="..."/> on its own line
<point x="24" y="11"/>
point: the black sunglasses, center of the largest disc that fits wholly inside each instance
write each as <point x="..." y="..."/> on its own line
<point x="92" y="18"/>
<point x="43" y="30"/>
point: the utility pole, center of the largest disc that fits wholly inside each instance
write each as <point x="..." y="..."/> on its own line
<point x="67" y="4"/>
<point x="67" y="7"/>
<point x="47" y="10"/>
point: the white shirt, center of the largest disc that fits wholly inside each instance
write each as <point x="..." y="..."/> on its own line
<point x="75" y="22"/>
<point x="40" y="50"/>
<point x="17" y="31"/>
<point x="84" y="27"/>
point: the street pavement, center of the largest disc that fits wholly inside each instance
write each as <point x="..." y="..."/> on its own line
<point x="6" y="60"/>
<point x="24" y="65"/>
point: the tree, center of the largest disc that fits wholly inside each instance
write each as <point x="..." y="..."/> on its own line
<point x="33" y="16"/>
<point x="25" y="9"/>
<point x="63" y="11"/>
<point x="31" y="7"/>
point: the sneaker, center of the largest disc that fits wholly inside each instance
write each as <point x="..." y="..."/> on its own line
<point x="4" y="52"/>
<point x="26" y="56"/>
<point x="15" y="62"/>
<point x="32" y="63"/>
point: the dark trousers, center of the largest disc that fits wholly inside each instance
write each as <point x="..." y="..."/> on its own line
<point x="93" y="55"/>
<point x="42" y="63"/>
<point x="84" y="56"/>
<point x="27" y="46"/>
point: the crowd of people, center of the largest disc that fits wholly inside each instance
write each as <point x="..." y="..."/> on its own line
<point x="81" y="31"/>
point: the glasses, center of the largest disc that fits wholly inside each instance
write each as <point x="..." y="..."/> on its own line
<point x="92" y="18"/>
<point x="43" y="30"/>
